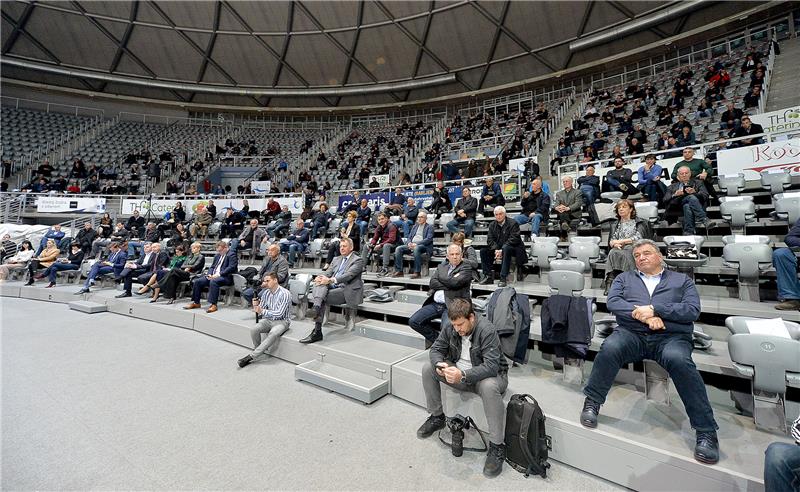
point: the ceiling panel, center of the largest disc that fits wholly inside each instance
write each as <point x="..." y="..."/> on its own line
<point x="189" y="14"/>
<point x="181" y="61"/>
<point x="388" y="52"/>
<point x="79" y="42"/>
<point x="316" y="59"/>
<point x="461" y="36"/>
<point x="603" y="15"/>
<point x="116" y="28"/>
<point x="334" y="15"/>
<point x="5" y="31"/>
<point x="128" y="66"/>
<point x="557" y="21"/>
<point x="13" y="9"/>
<point x="244" y="59"/>
<point x="113" y="9"/>
<point x="260" y="16"/>
<point x="405" y="9"/>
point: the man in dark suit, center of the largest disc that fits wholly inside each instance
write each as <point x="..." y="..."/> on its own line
<point x="225" y="264"/>
<point x="451" y="280"/>
<point x="465" y="210"/>
<point x="143" y="268"/>
<point x="492" y="195"/>
<point x="135" y="224"/>
<point x="503" y="243"/>
<point x="273" y="262"/>
<point x="296" y="242"/>
<point x="340" y="284"/>
<point x="114" y="264"/>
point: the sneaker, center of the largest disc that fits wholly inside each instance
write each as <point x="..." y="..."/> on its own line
<point x="502" y="283"/>
<point x="384" y="272"/>
<point x="244" y="361"/>
<point x="591" y="410"/>
<point x="706" y="449"/>
<point x="788" y="305"/>
<point x="494" y="460"/>
<point x="434" y="423"/>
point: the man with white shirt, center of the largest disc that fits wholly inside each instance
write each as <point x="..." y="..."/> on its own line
<point x="655" y="310"/>
<point x="467" y="357"/>
<point x="340" y="284"/>
<point x="451" y="280"/>
<point x="273" y="306"/>
<point x="225" y="264"/>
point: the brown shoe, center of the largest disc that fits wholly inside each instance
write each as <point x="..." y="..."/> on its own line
<point x="212" y="308"/>
<point x="414" y="275"/>
<point x="788" y="305"/>
<point x="397" y="274"/>
<point x="192" y="305"/>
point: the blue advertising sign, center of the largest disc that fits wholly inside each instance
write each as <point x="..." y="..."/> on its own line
<point x="375" y="201"/>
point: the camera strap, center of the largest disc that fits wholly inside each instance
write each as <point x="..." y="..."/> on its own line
<point x="468" y="423"/>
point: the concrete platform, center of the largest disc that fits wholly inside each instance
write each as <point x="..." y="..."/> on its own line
<point x="140" y="307"/>
<point x="10" y="289"/>
<point x="59" y="293"/>
<point x="342" y="380"/>
<point x="88" y="307"/>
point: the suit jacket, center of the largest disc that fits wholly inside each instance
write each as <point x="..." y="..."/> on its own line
<point x="455" y="285"/>
<point x="118" y="259"/>
<point x="349" y="279"/>
<point x="469" y="206"/>
<point x="699" y="188"/>
<point x="573" y="199"/>
<point x="257" y="238"/>
<point x="427" y="236"/>
<point x="230" y="265"/>
<point x="279" y="265"/>
<point x="505" y="234"/>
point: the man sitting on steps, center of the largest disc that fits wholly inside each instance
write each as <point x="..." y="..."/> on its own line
<point x="273" y="306"/>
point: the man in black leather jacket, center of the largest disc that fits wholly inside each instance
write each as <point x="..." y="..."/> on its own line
<point x="504" y="242"/>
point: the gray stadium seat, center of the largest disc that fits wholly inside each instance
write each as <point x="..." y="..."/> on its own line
<point x="770" y="362"/>
<point x="738" y="212"/>
<point x="686" y="265"/>
<point x="732" y="184"/>
<point x="299" y="287"/>
<point x="750" y="255"/>
<point x="776" y="180"/>
<point x="647" y="211"/>
<point x="787" y="207"/>
<point x="586" y="250"/>
<point x="543" y="251"/>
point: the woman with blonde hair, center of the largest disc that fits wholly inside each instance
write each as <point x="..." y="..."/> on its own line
<point x="47" y="257"/>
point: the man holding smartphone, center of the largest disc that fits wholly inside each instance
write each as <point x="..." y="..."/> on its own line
<point x="467" y="357"/>
<point x="273" y="307"/>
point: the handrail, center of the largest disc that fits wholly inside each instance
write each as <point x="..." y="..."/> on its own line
<point x="48" y="105"/>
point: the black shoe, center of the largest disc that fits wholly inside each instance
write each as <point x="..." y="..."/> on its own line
<point x="314" y="336"/>
<point x="434" y="423"/>
<point x="247" y="359"/>
<point x="494" y="460"/>
<point x="124" y="294"/>
<point x="82" y="291"/>
<point x="457" y="444"/>
<point x="29" y="282"/>
<point x="607" y="282"/>
<point x="487" y="280"/>
<point x="589" y="414"/>
<point x="520" y="275"/>
<point x="502" y="283"/>
<point x="706" y="450"/>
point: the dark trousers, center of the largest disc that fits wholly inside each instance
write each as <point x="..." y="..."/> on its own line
<point x="200" y="283"/>
<point x="53" y="269"/>
<point x="127" y="276"/>
<point x="509" y="252"/>
<point x="494" y="202"/>
<point x="672" y="351"/>
<point x="782" y="467"/>
<point x="169" y="282"/>
<point x="421" y="320"/>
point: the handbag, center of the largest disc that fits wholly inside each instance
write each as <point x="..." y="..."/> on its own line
<point x="682" y="251"/>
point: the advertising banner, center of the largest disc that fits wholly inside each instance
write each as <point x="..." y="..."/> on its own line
<point x="260" y="187"/>
<point x="751" y="160"/>
<point x="160" y="206"/>
<point x="60" y="204"/>
<point x="375" y="201"/>
<point x="382" y="179"/>
<point x="780" y="120"/>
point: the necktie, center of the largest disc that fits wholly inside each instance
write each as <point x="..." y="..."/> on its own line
<point x="341" y="267"/>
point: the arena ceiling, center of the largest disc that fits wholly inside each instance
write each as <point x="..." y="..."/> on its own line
<point x="219" y="46"/>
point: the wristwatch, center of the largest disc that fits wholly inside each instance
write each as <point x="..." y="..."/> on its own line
<point x="463" y="379"/>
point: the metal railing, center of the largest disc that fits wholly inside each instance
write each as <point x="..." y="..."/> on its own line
<point x="11" y="208"/>
<point x="22" y="103"/>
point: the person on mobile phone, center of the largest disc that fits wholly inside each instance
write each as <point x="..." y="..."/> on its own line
<point x="272" y="307"/>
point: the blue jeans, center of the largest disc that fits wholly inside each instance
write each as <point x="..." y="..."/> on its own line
<point x="672" y="351"/>
<point x="292" y="247"/>
<point x="652" y="191"/>
<point x="785" y="263"/>
<point x="362" y="227"/>
<point x="469" y="224"/>
<point x="53" y="269"/>
<point x="132" y="245"/>
<point x="782" y="467"/>
<point x="693" y="213"/>
<point x="96" y="271"/>
<point x="403" y="250"/>
<point x="535" y="222"/>
<point x="589" y="194"/>
<point x="421" y="320"/>
<point x="316" y="228"/>
<point x="249" y="293"/>
<point x="407" y="227"/>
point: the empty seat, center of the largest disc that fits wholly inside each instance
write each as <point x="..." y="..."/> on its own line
<point x="731" y="184"/>
<point x="647" y="211"/>
<point x="750" y="255"/>
<point x="566" y="282"/>
<point x="586" y="250"/>
<point x="787" y="207"/>
<point x="299" y="287"/>
<point x="738" y="211"/>
<point x="776" y="180"/>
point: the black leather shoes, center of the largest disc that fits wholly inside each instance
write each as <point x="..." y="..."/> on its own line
<point x="247" y="359"/>
<point x="589" y="414"/>
<point x="486" y="280"/>
<point x="314" y="336"/>
<point x="434" y="423"/>
<point x="706" y="449"/>
<point x="494" y="460"/>
<point x="124" y="294"/>
<point x="502" y="283"/>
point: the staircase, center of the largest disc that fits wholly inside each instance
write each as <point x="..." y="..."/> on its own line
<point x="11" y="208"/>
<point x="546" y="153"/>
<point x="783" y="84"/>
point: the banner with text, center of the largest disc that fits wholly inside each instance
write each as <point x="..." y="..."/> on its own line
<point x="778" y="121"/>
<point x="60" y="204"/>
<point x="382" y="179"/>
<point x="375" y="201"/>
<point x="773" y="156"/>
<point x="160" y="206"/>
<point x="260" y="187"/>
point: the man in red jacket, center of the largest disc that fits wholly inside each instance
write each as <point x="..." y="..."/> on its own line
<point x="384" y="240"/>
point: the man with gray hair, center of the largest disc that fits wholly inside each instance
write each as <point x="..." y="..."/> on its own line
<point x="145" y="266"/>
<point x="687" y="196"/>
<point x="503" y="243"/>
<point x="567" y="206"/>
<point x="655" y="310"/>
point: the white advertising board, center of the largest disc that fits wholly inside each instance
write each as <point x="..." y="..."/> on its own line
<point x="751" y="160"/>
<point x="778" y="121"/>
<point x="260" y="187"/>
<point x="160" y="206"/>
<point x="61" y="204"/>
<point x="382" y="179"/>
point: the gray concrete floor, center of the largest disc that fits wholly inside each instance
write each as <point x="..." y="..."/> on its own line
<point x="109" y="402"/>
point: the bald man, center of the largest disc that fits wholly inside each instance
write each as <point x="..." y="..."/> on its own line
<point x="273" y="262"/>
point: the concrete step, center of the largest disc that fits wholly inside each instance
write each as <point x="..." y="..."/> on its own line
<point x="395" y="333"/>
<point x="88" y="307"/>
<point x="341" y="380"/>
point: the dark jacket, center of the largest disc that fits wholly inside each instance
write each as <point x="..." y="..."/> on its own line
<point x="699" y="190"/>
<point x="441" y="199"/>
<point x="567" y="324"/>
<point x="469" y="206"/>
<point x="300" y="235"/>
<point x="455" y="286"/>
<point x="364" y="213"/>
<point x="411" y="212"/>
<point x="284" y="216"/>
<point x="502" y="235"/>
<point x="539" y="203"/>
<point x="593" y="181"/>
<point x="793" y="237"/>
<point x="494" y="191"/>
<point x="135" y="223"/>
<point x="230" y="264"/>
<point x="77" y="258"/>
<point x="118" y="261"/>
<point x="385" y="235"/>
<point x="194" y="263"/>
<point x="641" y="225"/>
<point x="485" y="353"/>
<point x="279" y="265"/>
<point x="427" y="236"/>
<point x="675" y="300"/>
<point x="85" y="238"/>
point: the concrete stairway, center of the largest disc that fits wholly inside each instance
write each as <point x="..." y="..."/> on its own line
<point x="783" y="86"/>
<point x="552" y="142"/>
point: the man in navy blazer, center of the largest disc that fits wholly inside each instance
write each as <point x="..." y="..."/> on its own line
<point x="419" y="241"/>
<point x="152" y="260"/>
<point x="225" y="264"/>
<point x="115" y="263"/>
<point x="55" y="233"/>
<point x="297" y="242"/>
<point x="655" y="310"/>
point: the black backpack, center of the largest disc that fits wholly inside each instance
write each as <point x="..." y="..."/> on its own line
<point x="526" y="441"/>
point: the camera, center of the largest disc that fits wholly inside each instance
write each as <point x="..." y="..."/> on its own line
<point x="457" y="424"/>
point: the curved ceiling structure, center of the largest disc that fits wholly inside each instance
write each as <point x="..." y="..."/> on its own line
<point x="323" y="53"/>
